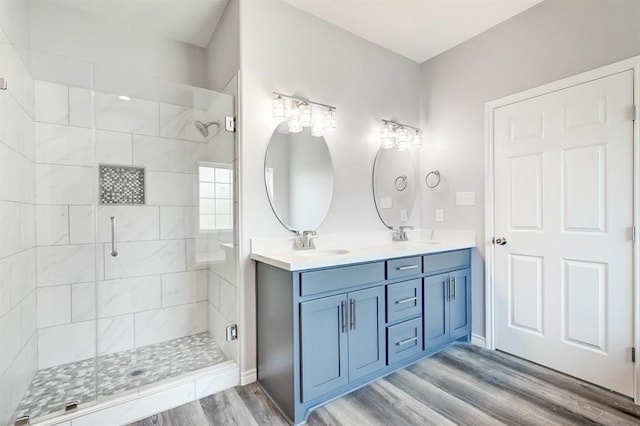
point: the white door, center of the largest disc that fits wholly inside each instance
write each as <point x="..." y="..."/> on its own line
<point x="564" y="204"/>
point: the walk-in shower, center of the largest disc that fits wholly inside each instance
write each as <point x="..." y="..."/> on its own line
<point x="114" y="165"/>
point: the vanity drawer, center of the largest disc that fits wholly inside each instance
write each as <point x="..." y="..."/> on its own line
<point x="404" y="340"/>
<point x="405" y="267"/>
<point x="448" y="261"/>
<point x="404" y="300"/>
<point x="322" y="281"/>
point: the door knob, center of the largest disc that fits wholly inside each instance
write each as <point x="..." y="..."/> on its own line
<point x="500" y="241"/>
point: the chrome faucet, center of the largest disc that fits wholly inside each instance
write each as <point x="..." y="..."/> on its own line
<point x="305" y="240"/>
<point x="400" y="235"/>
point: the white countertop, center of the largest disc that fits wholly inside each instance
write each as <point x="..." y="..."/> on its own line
<point x="356" y="247"/>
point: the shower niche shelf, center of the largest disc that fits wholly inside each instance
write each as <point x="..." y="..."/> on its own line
<point x="123" y="185"/>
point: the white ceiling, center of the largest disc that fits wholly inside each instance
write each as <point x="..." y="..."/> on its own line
<point x="188" y="21"/>
<point x="417" y="29"/>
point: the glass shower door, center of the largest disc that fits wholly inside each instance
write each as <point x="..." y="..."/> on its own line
<point x="58" y="373"/>
<point x="165" y="228"/>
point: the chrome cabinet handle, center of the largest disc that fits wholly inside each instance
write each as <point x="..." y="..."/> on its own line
<point x="114" y="237"/>
<point x="352" y="312"/>
<point x="409" y="299"/>
<point x="406" y="341"/>
<point x="404" y="268"/>
<point x="448" y="290"/>
<point x="344" y="316"/>
<point x="453" y="287"/>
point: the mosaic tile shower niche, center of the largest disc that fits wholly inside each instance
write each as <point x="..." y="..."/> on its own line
<point x="121" y="185"/>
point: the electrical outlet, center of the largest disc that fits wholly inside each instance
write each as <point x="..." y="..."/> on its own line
<point x="403" y="215"/>
<point x="439" y="215"/>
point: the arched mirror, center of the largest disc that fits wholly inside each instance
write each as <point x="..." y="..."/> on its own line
<point x="298" y="175"/>
<point x="394" y="186"/>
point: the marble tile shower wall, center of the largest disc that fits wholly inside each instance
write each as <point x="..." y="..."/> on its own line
<point x="17" y="230"/>
<point x="157" y="288"/>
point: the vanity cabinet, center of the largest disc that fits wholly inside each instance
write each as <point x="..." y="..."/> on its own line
<point x="324" y="332"/>
<point x="446" y="310"/>
<point x="342" y="340"/>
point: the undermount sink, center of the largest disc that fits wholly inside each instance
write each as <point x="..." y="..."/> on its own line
<point x="317" y="253"/>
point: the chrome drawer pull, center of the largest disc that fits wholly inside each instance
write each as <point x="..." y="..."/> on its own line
<point x="410" y="299"/>
<point x="344" y="316"/>
<point x="404" y="268"/>
<point x="406" y="341"/>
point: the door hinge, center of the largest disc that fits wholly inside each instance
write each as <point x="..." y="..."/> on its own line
<point x="633" y="234"/>
<point x="230" y="124"/>
<point x="633" y="355"/>
<point x="232" y="332"/>
<point x="3" y="84"/>
<point x="634" y="113"/>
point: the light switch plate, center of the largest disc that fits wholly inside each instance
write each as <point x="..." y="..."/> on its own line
<point x="439" y="215"/>
<point x="465" y="198"/>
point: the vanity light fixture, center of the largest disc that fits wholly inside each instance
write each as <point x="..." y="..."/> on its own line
<point x="330" y="120"/>
<point x="387" y="136"/>
<point x="295" y="126"/>
<point x="397" y="135"/>
<point x="306" y="117"/>
<point x="403" y="139"/>
<point x="317" y="129"/>
<point x="300" y="113"/>
<point x="279" y="109"/>
<point x="417" y="139"/>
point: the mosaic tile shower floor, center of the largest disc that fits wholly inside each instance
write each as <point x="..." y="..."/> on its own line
<point x="52" y="388"/>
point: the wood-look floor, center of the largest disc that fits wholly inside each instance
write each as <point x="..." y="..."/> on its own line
<point x="461" y="385"/>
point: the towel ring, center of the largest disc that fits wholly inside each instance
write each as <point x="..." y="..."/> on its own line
<point x="401" y="183"/>
<point x="436" y="173"/>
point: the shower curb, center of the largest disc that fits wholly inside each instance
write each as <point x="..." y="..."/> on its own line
<point x="151" y="399"/>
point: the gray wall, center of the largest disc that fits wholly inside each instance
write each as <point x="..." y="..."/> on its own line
<point x="289" y="51"/>
<point x="65" y="40"/>
<point x="550" y="41"/>
<point x="223" y="51"/>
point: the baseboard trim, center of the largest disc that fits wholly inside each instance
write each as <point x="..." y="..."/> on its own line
<point x="247" y="377"/>
<point x="478" y="340"/>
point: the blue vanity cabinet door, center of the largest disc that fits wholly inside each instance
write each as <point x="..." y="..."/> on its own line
<point x="436" y="311"/>
<point x="323" y="339"/>
<point x="366" y="332"/>
<point x="459" y="314"/>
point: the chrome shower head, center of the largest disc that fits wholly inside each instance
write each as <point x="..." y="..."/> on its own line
<point x="204" y="128"/>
